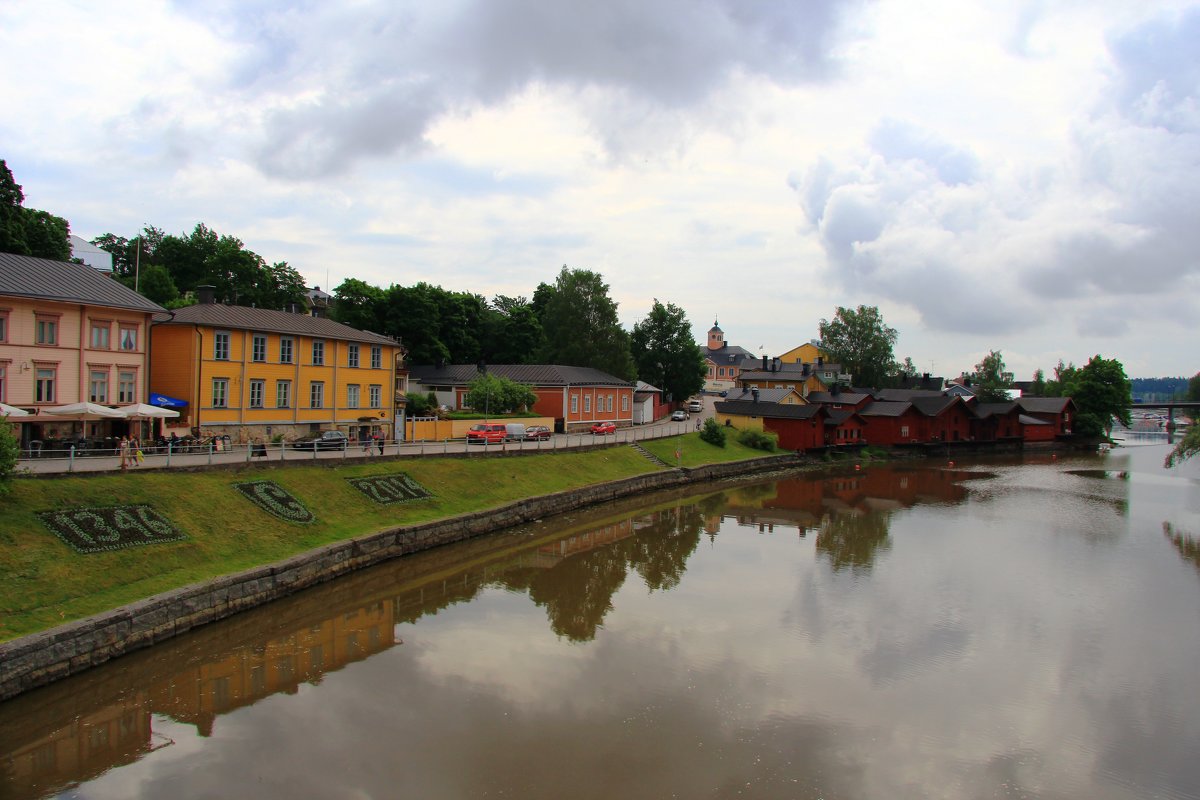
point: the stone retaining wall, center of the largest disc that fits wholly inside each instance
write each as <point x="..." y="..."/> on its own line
<point x="42" y="658"/>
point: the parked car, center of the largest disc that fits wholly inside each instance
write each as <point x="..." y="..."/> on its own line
<point x="321" y="440"/>
<point x="724" y="393"/>
<point x="514" y="432"/>
<point x="535" y="432"/>
<point x="604" y="428"/>
<point x="695" y="406"/>
<point x="679" y="416"/>
<point x="486" y="433"/>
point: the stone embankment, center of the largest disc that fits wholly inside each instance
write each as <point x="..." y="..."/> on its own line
<point x="42" y="658"/>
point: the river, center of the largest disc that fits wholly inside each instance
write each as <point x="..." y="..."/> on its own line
<point x="1025" y="627"/>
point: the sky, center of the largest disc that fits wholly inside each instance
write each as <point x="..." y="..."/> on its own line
<point x="1021" y="176"/>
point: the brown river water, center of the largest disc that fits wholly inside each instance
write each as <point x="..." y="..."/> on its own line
<point x="1021" y="628"/>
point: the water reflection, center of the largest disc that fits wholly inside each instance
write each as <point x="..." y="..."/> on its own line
<point x="867" y="633"/>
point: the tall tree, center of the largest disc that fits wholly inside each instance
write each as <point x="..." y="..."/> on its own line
<point x="359" y="305"/>
<point x="28" y="231"/>
<point x="861" y="343"/>
<point x="991" y="380"/>
<point x="1101" y="393"/>
<point x="581" y="325"/>
<point x="666" y="353"/>
<point x="514" y="333"/>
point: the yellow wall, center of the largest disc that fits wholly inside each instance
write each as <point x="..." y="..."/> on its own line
<point x="804" y="354"/>
<point x="740" y="421"/>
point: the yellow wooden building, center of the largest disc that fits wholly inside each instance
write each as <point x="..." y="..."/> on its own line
<point x="807" y="353"/>
<point x="253" y="373"/>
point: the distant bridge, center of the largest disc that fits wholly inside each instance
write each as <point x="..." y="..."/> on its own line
<point x="1170" y="406"/>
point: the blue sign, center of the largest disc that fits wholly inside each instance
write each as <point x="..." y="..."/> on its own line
<point x="166" y="402"/>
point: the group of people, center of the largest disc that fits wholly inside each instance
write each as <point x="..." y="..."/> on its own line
<point x="129" y="448"/>
<point x="374" y="440"/>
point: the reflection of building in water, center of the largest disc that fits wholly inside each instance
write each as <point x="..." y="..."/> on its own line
<point x="280" y="665"/>
<point x="120" y="733"/>
<point x="86" y="747"/>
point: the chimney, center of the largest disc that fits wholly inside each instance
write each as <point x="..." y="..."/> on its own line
<point x="754" y="391"/>
<point x="805" y="371"/>
<point x="764" y="366"/>
<point x="206" y="295"/>
<point x="836" y="389"/>
<point x="820" y="360"/>
<point x="775" y="365"/>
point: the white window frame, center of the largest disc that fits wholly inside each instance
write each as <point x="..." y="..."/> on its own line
<point x="221" y="345"/>
<point x="258" y="347"/>
<point x="375" y="393"/>
<point x="283" y="394"/>
<point x="258" y="392"/>
<point x="352" y="395"/>
<point x="220" y="392"/>
<point x="316" y="394"/>
<point x="286" y="349"/>
<point x="318" y="352"/>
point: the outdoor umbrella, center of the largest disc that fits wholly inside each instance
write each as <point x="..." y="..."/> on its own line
<point x="85" y="412"/>
<point x="143" y="411"/>
<point x="12" y="411"/>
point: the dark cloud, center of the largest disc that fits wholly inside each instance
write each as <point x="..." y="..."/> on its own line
<point x="347" y="83"/>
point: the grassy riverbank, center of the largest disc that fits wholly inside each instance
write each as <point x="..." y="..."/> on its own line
<point x="47" y="583"/>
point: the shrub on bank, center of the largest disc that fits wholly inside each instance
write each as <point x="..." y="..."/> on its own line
<point x="759" y="440"/>
<point x="712" y="433"/>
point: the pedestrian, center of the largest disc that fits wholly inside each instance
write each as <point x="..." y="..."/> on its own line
<point x="366" y="441"/>
<point x="135" y="451"/>
<point x="379" y="441"/>
<point x="123" y="451"/>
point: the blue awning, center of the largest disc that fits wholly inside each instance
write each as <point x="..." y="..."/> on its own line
<point x="166" y="402"/>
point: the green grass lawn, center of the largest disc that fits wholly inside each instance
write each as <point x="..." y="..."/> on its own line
<point x="47" y="583"/>
<point x="696" y="453"/>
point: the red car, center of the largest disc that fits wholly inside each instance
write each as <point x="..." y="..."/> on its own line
<point x="604" y="428"/>
<point x="487" y="433"/>
<point x="535" y="432"/>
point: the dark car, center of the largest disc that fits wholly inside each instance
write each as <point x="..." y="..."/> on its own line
<point x="604" y="428"/>
<point x="535" y="432"/>
<point x="321" y="440"/>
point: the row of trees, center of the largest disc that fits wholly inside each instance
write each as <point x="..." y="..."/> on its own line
<point x="28" y="231"/>
<point x="572" y="321"/>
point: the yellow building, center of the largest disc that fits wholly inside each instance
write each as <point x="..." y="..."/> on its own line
<point x="253" y="373"/>
<point x="807" y="353"/>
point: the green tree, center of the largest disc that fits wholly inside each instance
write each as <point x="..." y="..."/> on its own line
<point x="665" y="352"/>
<point x="10" y="450"/>
<point x="493" y="394"/>
<point x="1038" y="389"/>
<point x="1101" y="393"/>
<point x="28" y="231"/>
<point x="991" y="380"/>
<point x="1193" y="388"/>
<point x="358" y="304"/>
<point x="861" y="343"/>
<point x="1187" y="447"/>
<point x="581" y="326"/>
<point x="514" y="332"/>
<point x="155" y="284"/>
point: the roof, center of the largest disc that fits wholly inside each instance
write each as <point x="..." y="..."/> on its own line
<point x="1043" y="405"/>
<point x="66" y="282"/>
<point x="722" y="354"/>
<point x="840" y="415"/>
<point x="764" y="395"/>
<point x="922" y="381"/>
<point x="932" y="406"/>
<point x="531" y="374"/>
<point x="905" y="394"/>
<point x="749" y="408"/>
<point x="849" y="398"/>
<point x="247" y="318"/>
<point x="1028" y="420"/>
<point x="885" y="408"/>
<point x="985" y="410"/>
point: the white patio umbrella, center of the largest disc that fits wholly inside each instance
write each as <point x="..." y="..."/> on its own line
<point x="143" y="411"/>
<point x="12" y="411"/>
<point x="84" y="412"/>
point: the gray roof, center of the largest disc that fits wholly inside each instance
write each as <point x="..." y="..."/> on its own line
<point x="530" y="374"/>
<point x="905" y="394"/>
<point x="850" y="398"/>
<point x="721" y="355"/>
<point x="65" y="282"/>
<point x="985" y="410"/>
<point x="750" y="408"/>
<point x="1043" y="405"/>
<point x="246" y="318"/>
<point x="885" y="408"/>
<point x="764" y="395"/>
<point x="932" y="406"/>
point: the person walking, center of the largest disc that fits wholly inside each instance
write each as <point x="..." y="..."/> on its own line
<point x="379" y="441"/>
<point x="123" y="452"/>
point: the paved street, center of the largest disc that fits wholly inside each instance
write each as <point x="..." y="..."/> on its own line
<point x="59" y="462"/>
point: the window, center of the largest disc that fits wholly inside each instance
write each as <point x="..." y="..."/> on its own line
<point x="316" y="394"/>
<point x="46" y="330"/>
<point x="352" y="355"/>
<point x="587" y="404"/>
<point x="220" y="393"/>
<point x="129" y="337"/>
<point x="609" y="403"/>
<point x="624" y="402"/>
<point x="98" y="386"/>
<point x="376" y="393"/>
<point x="283" y="394"/>
<point x="903" y="431"/>
<point x="352" y="396"/>
<point x="100" y="331"/>
<point x="257" y="389"/>
<point x="126" y="387"/>
<point x="3" y="381"/>
<point x="258" y="348"/>
<point x="721" y="372"/>
<point x="221" y="346"/>
<point x="376" y="355"/>
<point x="4" y="325"/>
<point x="44" y="385"/>
<point x="574" y="404"/>
<point x="318" y="353"/>
<point x="285" y="349"/>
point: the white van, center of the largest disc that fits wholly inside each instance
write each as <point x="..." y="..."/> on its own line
<point x="514" y="432"/>
<point x="695" y="406"/>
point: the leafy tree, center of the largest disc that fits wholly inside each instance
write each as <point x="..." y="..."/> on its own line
<point x="496" y="395"/>
<point x="861" y="343"/>
<point x="1101" y="393"/>
<point x="28" y="231"/>
<point x="10" y="450"/>
<point x="1187" y="447"/>
<point x="991" y="381"/>
<point x="581" y="326"/>
<point x="665" y="352"/>
<point x="359" y="305"/>
<point x="412" y="313"/>
<point x="155" y="284"/>
<point x="1193" y="388"/>
<point x="713" y="433"/>
<point x="1038" y="389"/>
<point x="907" y="368"/>
<point x="514" y="332"/>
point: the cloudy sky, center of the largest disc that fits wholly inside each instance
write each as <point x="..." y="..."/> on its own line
<point x="1018" y="176"/>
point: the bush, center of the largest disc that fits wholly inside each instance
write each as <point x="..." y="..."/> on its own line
<point x="759" y="440"/>
<point x="712" y="433"/>
<point x="10" y="451"/>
